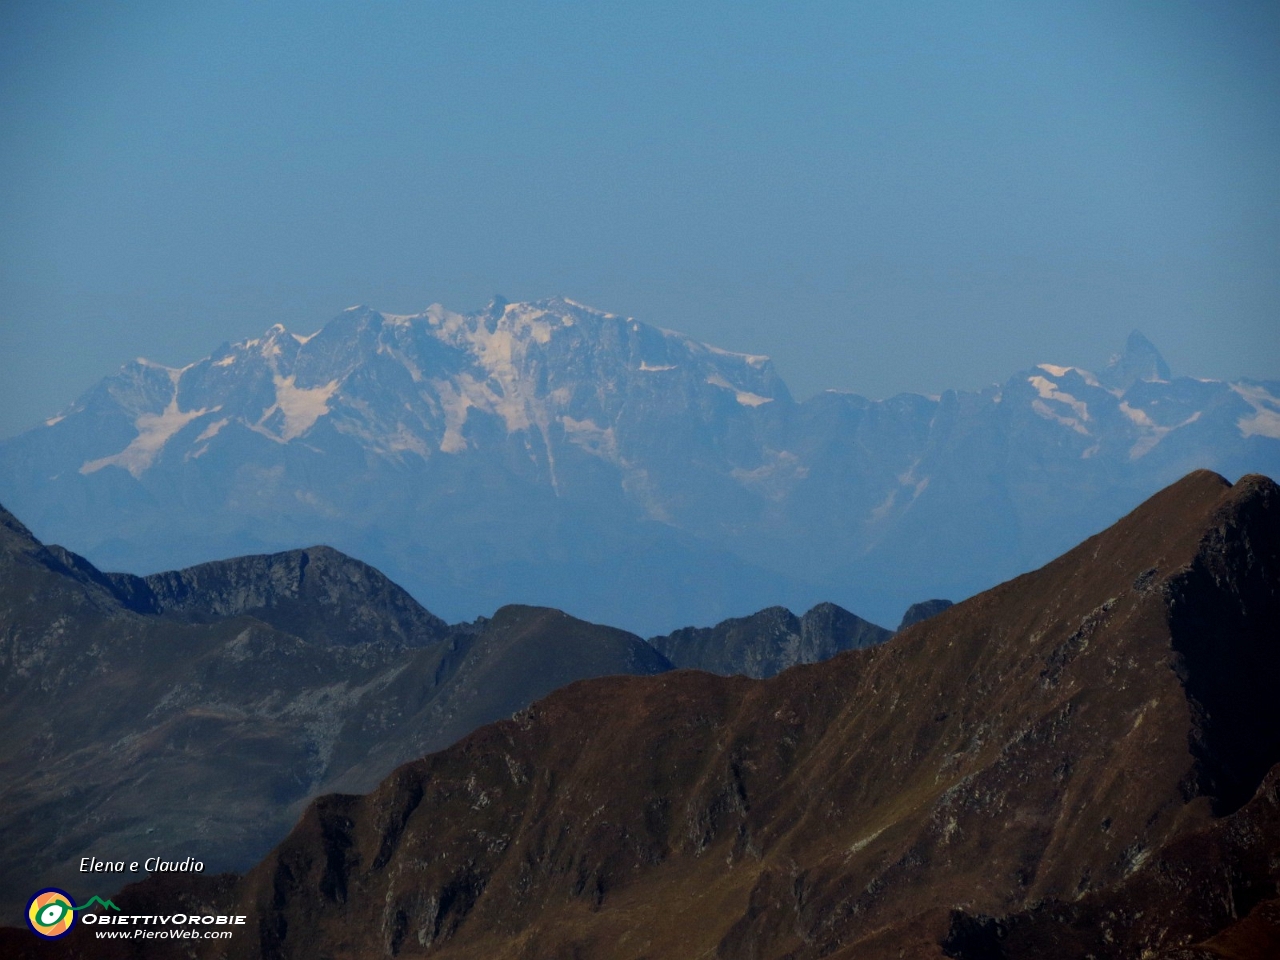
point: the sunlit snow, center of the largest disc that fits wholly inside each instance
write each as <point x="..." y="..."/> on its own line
<point x="301" y="407"/>
<point x="745" y="398"/>
<point x="590" y="436"/>
<point x="1265" y="421"/>
<point x="1048" y="390"/>
<point x="1152" y="432"/>
<point x="154" y="431"/>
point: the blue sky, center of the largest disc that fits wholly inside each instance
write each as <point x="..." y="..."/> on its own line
<point x="883" y="197"/>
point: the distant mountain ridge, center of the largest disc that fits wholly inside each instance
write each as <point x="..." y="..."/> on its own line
<point x="547" y="452"/>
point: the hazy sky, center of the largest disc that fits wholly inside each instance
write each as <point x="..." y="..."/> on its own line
<point x="883" y="197"/>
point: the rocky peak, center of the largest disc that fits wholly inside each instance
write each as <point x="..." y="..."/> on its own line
<point x="1140" y="360"/>
<point x="769" y="641"/>
<point x="316" y="593"/>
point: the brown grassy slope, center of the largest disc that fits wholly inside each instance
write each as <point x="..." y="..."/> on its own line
<point x="1048" y="742"/>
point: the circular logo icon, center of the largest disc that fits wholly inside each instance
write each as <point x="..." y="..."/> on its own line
<point x="50" y="913"/>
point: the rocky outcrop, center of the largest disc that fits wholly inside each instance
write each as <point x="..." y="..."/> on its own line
<point x="318" y="592"/>
<point x="768" y="642"/>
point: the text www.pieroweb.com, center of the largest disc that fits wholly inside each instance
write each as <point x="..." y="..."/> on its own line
<point x="175" y="927"/>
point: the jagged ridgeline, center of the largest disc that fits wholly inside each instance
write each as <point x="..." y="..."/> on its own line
<point x="1079" y="762"/>
<point x="195" y="712"/>
<point x="555" y="454"/>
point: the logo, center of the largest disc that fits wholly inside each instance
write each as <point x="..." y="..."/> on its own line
<point x="51" y="913"/>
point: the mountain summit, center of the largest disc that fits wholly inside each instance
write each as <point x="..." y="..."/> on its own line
<point x="1139" y="361"/>
<point x="548" y="452"/>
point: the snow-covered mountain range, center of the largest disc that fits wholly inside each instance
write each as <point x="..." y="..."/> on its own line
<point x="551" y="453"/>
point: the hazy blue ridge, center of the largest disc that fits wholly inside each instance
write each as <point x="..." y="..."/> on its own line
<point x="550" y="453"/>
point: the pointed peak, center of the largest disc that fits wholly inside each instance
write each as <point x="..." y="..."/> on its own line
<point x="1139" y="361"/>
<point x="1137" y="344"/>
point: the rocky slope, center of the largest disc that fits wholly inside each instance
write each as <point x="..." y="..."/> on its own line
<point x="1079" y="762"/>
<point x="551" y="453"/>
<point x="317" y="593"/>
<point x="199" y="710"/>
<point x="768" y="642"/>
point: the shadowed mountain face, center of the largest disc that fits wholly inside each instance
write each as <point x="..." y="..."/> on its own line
<point x="317" y="593"/>
<point x="200" y="709"/>
<point x="766" y="643"/>
<point x="1055" y="768"/>
<point x="551" y="453"/>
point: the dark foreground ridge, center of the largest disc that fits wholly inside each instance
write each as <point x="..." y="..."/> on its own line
<point x="198" y="711"/>
<point x="1081" y="761"/>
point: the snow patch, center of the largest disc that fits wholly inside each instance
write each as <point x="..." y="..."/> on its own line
<point x="743" y="397"/>
<point x="1265" y="421"/>
<point x="404" y="440"/>
<point x="456" y="404"/>
<point x="591" y="437"/>
<point x="301" y="406"/>
<point x="1139" y="417"/>
<point x="1041" y="408"/>
<point x="1048" y="390"/>
<point x="154" y="431"/>
<point x="212" y="429"/>
<point x="1151" y="432"/>
<point x="582" y="306"/>
<point x="774" y="478"/>
<point x="751" y="399"/>
<point x="755" y="360"/>
<point x="174" y="373"/>
<point x="1085" y="375"/>
<point x="52" y="420"/>
<point x="226" y="361"/>
<point x="658" y="368"/>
